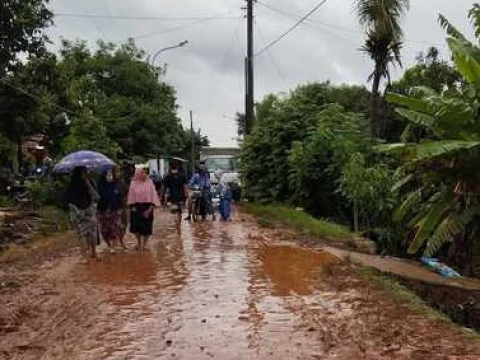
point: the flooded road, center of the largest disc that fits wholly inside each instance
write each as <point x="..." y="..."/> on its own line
<point x="224" y="291"/>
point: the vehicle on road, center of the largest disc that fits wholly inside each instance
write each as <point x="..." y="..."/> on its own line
<point x="223" y="161"/>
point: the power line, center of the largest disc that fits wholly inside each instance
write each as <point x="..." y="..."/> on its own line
<point x="272" y="58"/>
<point x="181" y="27"/>
<point x="351" y="30"/>
<point x="314" y="25"/>
<point x="295" y="16"/>
<point x="298" y="23"/>
<point x="128" y="17"/>
<point x="224" y="54"/>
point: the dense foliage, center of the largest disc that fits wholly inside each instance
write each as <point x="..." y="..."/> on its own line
<point x="21" y="25"/>
<point x="282" y="121"/>
<point x="442" y="175"/>
<point x="311" y="149"/>
<point x="108" y="98"/>
<point x="317" y="161"/>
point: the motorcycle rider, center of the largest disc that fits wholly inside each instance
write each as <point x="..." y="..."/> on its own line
<point x="201" y="178"/>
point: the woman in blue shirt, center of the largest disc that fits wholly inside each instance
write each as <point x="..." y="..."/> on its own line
<point x="110" y="209"/>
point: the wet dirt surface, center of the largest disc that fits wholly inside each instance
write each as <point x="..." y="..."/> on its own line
<point x="218" y="291"/>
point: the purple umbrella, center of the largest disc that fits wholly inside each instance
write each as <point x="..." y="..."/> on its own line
<point x="90" y="159"/>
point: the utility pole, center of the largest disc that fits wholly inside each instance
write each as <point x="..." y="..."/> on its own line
<point x="249" y="96"/>
<point x="192" y="134"/>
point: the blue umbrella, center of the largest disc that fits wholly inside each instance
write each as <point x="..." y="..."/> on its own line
<point x="90" y="159"/>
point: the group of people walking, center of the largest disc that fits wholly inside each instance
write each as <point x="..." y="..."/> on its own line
<point x="100" y="211"/>
<point x="103" y="209"/>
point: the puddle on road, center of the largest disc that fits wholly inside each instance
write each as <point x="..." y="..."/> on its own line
<point x="293" y="270"/>
<point x="214" y="292"/>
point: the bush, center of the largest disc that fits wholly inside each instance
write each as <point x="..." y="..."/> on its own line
<point x="282" y="121"/>
<point x="54" y="220"/>
<point x="368" y="189"/>
<point x="47" y="192"/>
<point x="317" y="162"/>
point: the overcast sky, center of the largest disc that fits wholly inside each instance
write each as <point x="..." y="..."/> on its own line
<point x="208" y="73"/>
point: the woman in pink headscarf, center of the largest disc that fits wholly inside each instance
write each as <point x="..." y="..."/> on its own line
<point x="142" y="200"/>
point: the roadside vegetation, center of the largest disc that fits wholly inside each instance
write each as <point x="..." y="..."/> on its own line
<point x="403" y="172"/>
<point x="298" y="219"/>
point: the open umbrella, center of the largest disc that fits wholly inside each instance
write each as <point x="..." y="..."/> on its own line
<point x="90" y="159"/>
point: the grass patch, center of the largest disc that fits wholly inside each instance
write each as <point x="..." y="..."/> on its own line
<point x="269" y="215"/>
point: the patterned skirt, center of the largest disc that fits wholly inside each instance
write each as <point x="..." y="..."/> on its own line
<point x="84" y="222"/>
<point x="111" y="224"/>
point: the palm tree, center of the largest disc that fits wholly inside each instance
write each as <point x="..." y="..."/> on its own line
<point x="381" y="21"/>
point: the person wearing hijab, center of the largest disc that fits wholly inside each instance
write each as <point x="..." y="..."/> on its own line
<point x="80" y="197"/>
<point x="142" y="200"/>
<point x="110" y="209"/>
<point x="225" y="198"/>
<point x="119" y="176"/>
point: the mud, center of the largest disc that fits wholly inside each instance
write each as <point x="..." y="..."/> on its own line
<point x="220" y="290"/>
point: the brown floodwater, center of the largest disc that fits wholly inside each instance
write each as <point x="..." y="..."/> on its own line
<point x="223" y="291"/>
<point x="213" y="291"/>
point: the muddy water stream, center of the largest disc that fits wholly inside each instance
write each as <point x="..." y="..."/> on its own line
<point x="219" y="290"/>
<point x="211" y="292"/>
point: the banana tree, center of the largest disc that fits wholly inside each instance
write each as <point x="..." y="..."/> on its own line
<point x="442" y="188"/>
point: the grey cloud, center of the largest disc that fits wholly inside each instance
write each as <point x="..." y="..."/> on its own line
<point x="209" y="80"/>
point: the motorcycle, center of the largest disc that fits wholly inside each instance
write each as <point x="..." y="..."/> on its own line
<point x="215" y="196"/>
<point x="201" y="203"/>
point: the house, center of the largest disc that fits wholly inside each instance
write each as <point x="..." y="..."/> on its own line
<point x="35" y="145"/>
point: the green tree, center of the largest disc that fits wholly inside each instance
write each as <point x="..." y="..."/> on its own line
<point x="368" y="189"/>
<point x="25" y="103"/>
<point x="317" y="161"/>
<point x="122" y="90"/>
<point x="381" y="20"/>
<point x="240" y="119"/>
<point x="88" y="133"/>
<point x="431" y="72"/>
<point x="281" y="121"/>
<point x="442" y="200"/>
<point x="22" y="25"/>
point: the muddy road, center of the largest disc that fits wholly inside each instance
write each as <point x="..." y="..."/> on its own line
<point x="219" y="291"/>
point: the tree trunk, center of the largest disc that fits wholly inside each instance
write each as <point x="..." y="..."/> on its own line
<point x="19" y="153"/>
<point x="376" y="103"/>
<point x="355" y="216"/>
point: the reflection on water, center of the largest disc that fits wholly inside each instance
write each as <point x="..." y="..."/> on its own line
<point x="279" y="276"/>
<point x="211" y="291"/>
<point x="292" y="270"/>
